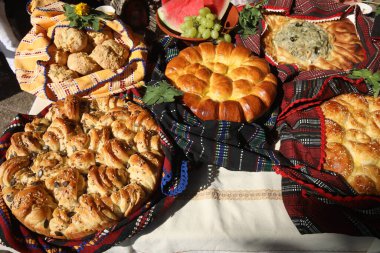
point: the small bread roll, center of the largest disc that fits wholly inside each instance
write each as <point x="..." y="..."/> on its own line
<point x="57" y="55"/>
<point x="60" y="57"/>
<point x="59" y="73"/>
<point x="119" y="49"/>
<point x="110" y="55"/>
<point x="70" y="39"/>
<point x="82" y="63"/>
<point x="97" y="38"/>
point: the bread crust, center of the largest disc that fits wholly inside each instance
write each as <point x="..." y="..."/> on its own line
<point x="83" y="167"/>
<point x="353" y="140"/>
<point x="110" y="54"/>
<point x="223" y="82"/>
<point x="337" y="44"/>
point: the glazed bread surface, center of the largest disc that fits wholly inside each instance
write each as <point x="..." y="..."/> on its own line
<point x="353" y="140"/>
<point x="83" y="167"/>
<point x="223" y="82"/>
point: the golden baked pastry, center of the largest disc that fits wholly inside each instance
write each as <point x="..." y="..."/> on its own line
<point x="70" y="39"/>
<point x="324" y="45"/>
<point x="110" y="55"/>
<point x="57" y="56"/>
<point x="82" y="63"/>
<point x="83" y="167"/>
<point x="223" y="82"/>
<point x="59" y="73"/>
<point x="97" y="38"/>
<point x="353" y="140"/>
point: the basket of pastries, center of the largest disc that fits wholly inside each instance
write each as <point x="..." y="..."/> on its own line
<point x="74" y="49"/>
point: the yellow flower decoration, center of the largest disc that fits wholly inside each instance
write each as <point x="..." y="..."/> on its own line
<point x="82" y="9"/>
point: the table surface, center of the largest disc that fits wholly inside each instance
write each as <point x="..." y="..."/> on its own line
<point x="225" y="211"/>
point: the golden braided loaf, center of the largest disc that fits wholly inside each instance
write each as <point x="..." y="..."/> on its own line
<point x="223" y="82"/>
<point x="83" y="167"/>
<point x="353" y="140"/>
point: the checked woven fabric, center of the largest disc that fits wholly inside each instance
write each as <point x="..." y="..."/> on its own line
<point x="15" y="235"/>
<point x="319" y="201"/>
<point x="235" y="146"/>
<point x="32" y="57"/>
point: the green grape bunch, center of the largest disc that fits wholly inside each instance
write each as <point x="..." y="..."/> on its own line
<point x="206" y="26"/>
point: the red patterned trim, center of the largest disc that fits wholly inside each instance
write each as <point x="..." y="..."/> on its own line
<point x="333" y="17"/>
<point x="320" y="191"/>
<point x="277" y="9"/>
<point x="323" y="137"/>
<point x="269" y="59"/>
<point x="289" y="110"/>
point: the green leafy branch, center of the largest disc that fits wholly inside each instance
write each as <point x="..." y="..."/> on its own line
<point x="160" y="92"/>
<point x="92" y="19"/>
<point x="372" y="79"/>
<point x="249" y="18"/>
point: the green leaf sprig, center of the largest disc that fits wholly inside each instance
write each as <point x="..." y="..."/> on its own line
<point x="160" y="92"/>
<point x="249" y="19"/>
<point x="82" y="16"/>
<point x="370" y="78"/>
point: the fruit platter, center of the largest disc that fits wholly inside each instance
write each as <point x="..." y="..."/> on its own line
<point x="195" y="125"/>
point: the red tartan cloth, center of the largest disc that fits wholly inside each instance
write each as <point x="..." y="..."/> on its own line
<point x="15" y="235"/>
<point x="318" y="201"/>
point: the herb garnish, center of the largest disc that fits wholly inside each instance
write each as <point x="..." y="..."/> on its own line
<point x="249" y="19"/>
<point x="82" y="16"/>
<point x="370" y="78"/>
<point x="160" y="92"/>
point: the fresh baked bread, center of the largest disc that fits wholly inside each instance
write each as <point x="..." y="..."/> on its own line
<point x="97" y="38"/>
<point x="353" y="140"/>
<point x="83" y="167"/>
<point x="223" y="82"/>
<point x="82" y="63"/>
<point x="57" y="56"/>
<point x="70" y="39"/>
<point x="324" y="45"/>
<point x="58" y="73"/>
<point x="110" y="55"/>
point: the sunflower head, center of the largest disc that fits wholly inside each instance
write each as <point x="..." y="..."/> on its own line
<point x="82" y="9"/>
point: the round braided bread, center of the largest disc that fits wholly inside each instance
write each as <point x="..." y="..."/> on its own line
<point x="223" y="82"/>
<point x="83" y="167"/>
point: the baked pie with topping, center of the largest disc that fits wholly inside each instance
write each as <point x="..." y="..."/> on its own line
<point x="83" y="167"/>
<point x="223" y="82"/>
<point x="353" y="140"/>
<point x="324" y="45"/>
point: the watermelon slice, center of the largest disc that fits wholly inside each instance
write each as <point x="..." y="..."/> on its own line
<point x="218" y="7"/>
<point x="173" y="12"/>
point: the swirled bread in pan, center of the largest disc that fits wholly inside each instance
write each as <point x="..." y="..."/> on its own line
<point x="83" y="167"/>
<point x="353" y="140"/>
<point x="324" y="45"/>
<point x="223" y="82"/>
